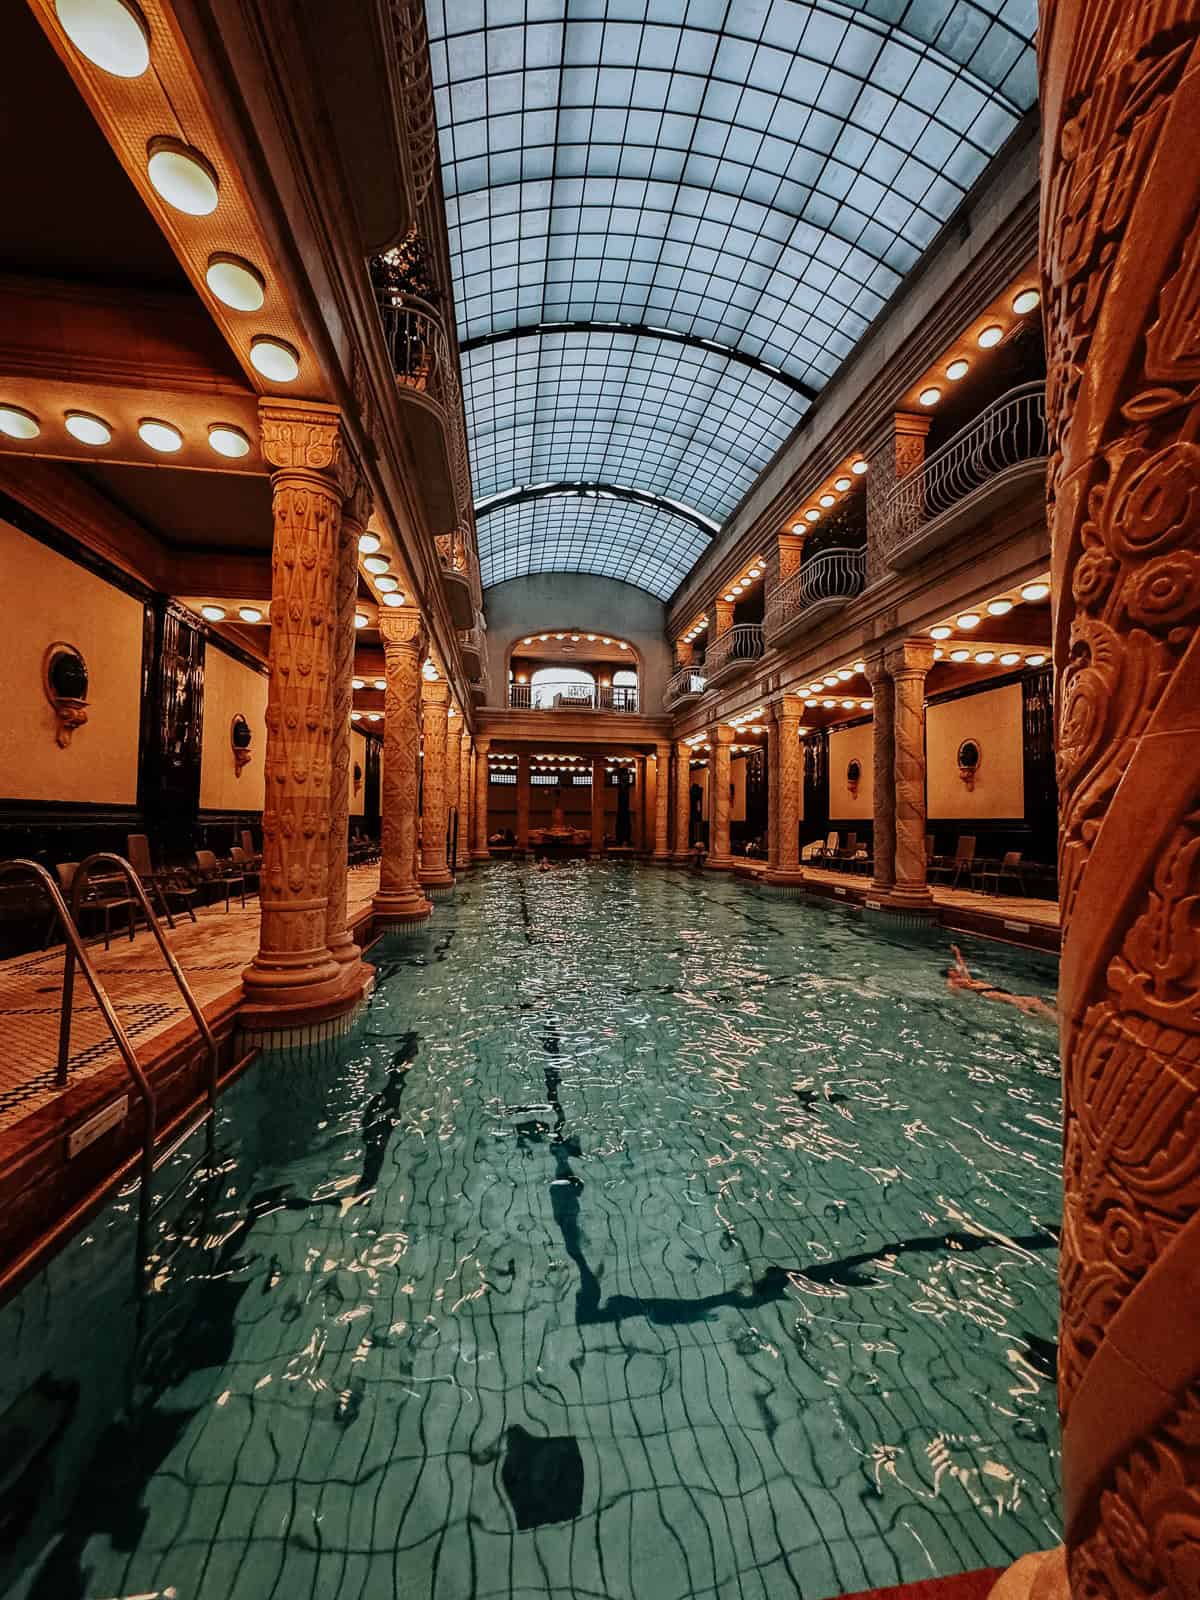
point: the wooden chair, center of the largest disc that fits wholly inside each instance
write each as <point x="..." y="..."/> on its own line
<point x="104" y="895"/>
<point x="1008" y="867"/>
<point x="163" y="886"/>
<point x="247" y="864"/>
<point x="845" y="856"/>
<point x="963" y="860"/>
<point x="212" y="872"/>
<point x="252" y="854"/>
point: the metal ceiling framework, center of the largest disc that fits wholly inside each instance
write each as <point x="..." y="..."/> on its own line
<point x="671" y="221"/>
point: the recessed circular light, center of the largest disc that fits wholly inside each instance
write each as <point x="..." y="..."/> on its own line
<point x="999" y="608"/>
<point x="368" y="543"/>
<point x="18" y="423"/>
<point x="110" y="33"/>
<point x="815" y="688"/>
<point x="841" y="484"/>
<point x="606" y="640"/>
<point x="250" y="614"/>
<point x="385" y="583"/>
<point x="859" y="468"/>
<point x="958" y="369"/>
<point x="1025" y="302"/>
<point x="827" y="500"/>
<point x="756" y="572"/>
<point x="393" y="599"/>
<point x="356" y="716"/>
<point x="380" y="683"/>
<point x="960" y="655"/>
<point x="623" y="645"/>
<point x="729" y="597"/>
<point x="1035" y="591"/>
<point x="274" y="359"/>
<point x="1010" y="658"/>
<point x="161" y="436"/>
<point x="360" y="621"/>
<point x="812" y="515"/>
<point x="829" y="704"/>
<point x="844" y="674"/>
<point x="591" y="639"/>
<point x="865" y="705"/>
<point x="358" y="683"/>
<point x="182" y="177"/>
<point x="990" y="336"/>
<point x="938" y="654"/>
<point x="860" y="666"/>
<point x="377" y="563"/>
<point x="940" y="632"/>
<point x="213" y="613"/>
<point x="227" y="440"/>
<point x="1035" y="660"/>
<point x="985" y="657"/>
<point x="543" y="637"/>
<point x="831" y="679"/>
<point x="930" y="396"/>
<point x="969" y="619"/>
<point x="374" y="716"/>
<point x="87" y="428"/>
<point x="235" y="283"/>
<point x="575" y="639"/>
<point x="848" y="705"/>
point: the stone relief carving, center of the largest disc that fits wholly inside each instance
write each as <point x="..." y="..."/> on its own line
<point x="65" y="680"/>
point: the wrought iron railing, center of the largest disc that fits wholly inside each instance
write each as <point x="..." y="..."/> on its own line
<point x="566" y="696"/>
<point x="415" y="98"/>
<point x="687" y="684"/>
<point x="743" y="642"/>
<point x="1010" y="431"/>
<point x="837" y="574"/>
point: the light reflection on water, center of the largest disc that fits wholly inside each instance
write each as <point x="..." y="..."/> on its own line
<point x="650" y="1236"/>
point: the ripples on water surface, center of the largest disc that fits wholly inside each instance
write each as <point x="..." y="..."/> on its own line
<point x="650" y="1238"/>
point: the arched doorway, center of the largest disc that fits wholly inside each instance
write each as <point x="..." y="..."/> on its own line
<point x="561" y="687"/>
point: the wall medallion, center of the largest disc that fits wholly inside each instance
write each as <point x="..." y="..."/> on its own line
<point x="240" y="740"/>
<point x="853" y="777"/>
<point x="65" y="680"/>
<point x="358" y="778"/>
<point x="969" y="757"/>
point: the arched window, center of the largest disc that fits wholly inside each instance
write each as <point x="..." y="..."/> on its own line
<point x="562" y="686"/>
<point x="625" y="689"/>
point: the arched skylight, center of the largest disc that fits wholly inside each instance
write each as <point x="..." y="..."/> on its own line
<point x="758" y="175"/>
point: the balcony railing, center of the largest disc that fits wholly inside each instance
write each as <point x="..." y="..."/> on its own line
<point x="549" y="696"/>
<point x="742" y="643"/>
<point x="1011" y="432"/>
<point x="415" y="100"/>
<point x="687" y="684"/>
<point x="831" y="577"/>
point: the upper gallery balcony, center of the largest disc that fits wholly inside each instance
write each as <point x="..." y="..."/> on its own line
<point x="460" y="577"/>
<point x="685" y="686"/>
<point x="825" y="583"/>
<point x="999" y="456"/>
<point x="733" y="651"/>
<point x="571" y="696"/>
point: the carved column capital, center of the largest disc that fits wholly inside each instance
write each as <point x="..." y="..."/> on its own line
<point x="435" y="692"/>
<point x="402" y="627"/>
<point x="876" y="669"/>
<point x="722" y="614"/>
<point x="787" y="708"/>
<point x="791" y="554"/>
<point x="721" y="734"/>
<point x="483" y="744"/>
<point x="912" y="659"/>
<point x="300" y="435"/>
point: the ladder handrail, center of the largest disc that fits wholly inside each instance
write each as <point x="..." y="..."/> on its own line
<point x="78" y="888"/>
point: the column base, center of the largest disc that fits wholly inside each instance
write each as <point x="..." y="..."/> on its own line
<point x="438" y="884"/>
<point x="661" y="858"/>
<point x="296" y="1014"/>
<point x="397" y="911"/>
<point x="344" y="950"/>
<point x="478" y="856"/>
<point x="780" y="880"/>
<point x="719" y="863"/>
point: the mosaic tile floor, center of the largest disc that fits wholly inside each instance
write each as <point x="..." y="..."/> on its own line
<point x="649" y="1239"/>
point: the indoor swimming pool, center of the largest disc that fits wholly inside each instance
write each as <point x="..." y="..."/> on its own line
<point x="649" y="1237"/>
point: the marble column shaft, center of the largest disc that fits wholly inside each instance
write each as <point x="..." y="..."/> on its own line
<point x="907" y="665"/>
<point x="662" y="803"/>
<point x="719" y="858"/>
<point x="454" y="743"/>
<point x="356" y="509"/>
<point x="883" y="696"/>
<point x="435" y="705"/>
<point x="683" y="798"/>
<point x="479" y="847"/>
<point x="400" y="898"/>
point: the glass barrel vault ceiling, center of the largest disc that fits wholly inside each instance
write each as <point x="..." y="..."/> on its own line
<point x="759" y="175"/>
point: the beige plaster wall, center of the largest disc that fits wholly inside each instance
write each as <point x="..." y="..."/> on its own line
<point x="994" y="720"/>
<point x="846" y="745"/>
<point x="46" y="598"/>
<point x="229" y="688"/>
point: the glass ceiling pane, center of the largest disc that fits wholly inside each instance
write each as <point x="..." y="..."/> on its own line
<point x="762" y="176"/>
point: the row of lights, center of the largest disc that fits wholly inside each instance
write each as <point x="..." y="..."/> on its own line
<point x="86" y="427"/>
<point x="376" y="683"/>
<point x="746" y="580"/>
<point x="574" y="638"/>
<point x="370" y="548"/>
<point x="113" y="35"/>
<point x="985" y="658"/>
<point x="211" y="612"/>
<point x="1023" y="303"/>
<point x="999" y="607"/>
<point x="842" y="485"/>
<point x="696" y="629"/>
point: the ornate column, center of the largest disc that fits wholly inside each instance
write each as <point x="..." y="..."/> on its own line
<point x="436" y="877"/>
<point x="895" y="451"/>
<point x="356" y="508"/>
<point x="454" y="740"/>
<point x="479" y="848"/>
<point x="294" y="973"/>
<point x="722" y="613"/>
<point x="400" y="901"/>
<point x="786" y="875"/>
<point x="466" y="791"/>
<point x="599" y="765"/>
<point x="683" y="798"/>
<point x="772" y="796"/>
<point x="662" y="804"/>
<point x="908" y="664"/>
<point x="883" y="697"/>
<point x="1120" y="103"/>
<point x="719" y="859"/>
<point x="523" y="776"/>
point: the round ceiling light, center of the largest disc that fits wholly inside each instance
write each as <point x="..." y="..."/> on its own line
<point x="250" y="614"/>
<point x="182" y="177"/>
<point x="831" y="679"/>
<point x="380" y="683"/>
<point x="938" y="653"/>
<point x="1035" y="591"/>
<point x="110" y="33"/>
<point x="960" y="655"/>
<point x="860" y="666"/>
<point x="18" y="423"/>
<point x="969" y="619"/>
<point x="957" y="369"/>
<point x="940" y="632"/>
<point x="985" y="657"/>
<point x="623" y="645"/>
<point x="841" y="484"/>
<point x="228" y="441"/>
<point x="393" y="599"/>
<point x="1010" y="658"/>
<point x="213" y="613"/>
<point x="999" y="608"/>
<point x="844" y="674"/>
<point x="729" y="597"/>
<point x="88" y="429"/>
<point x="360" y="621"/>
<point x="812" y="515"/>
<point x="859" y="468"/>
<point x="827" y="500"/>
<point x="385" y="583"/>
<point x="357" y="683"/>
<point x="368" y="543"/>
<point x="990" y="336"/>
<point x="377" y="563"/>
<point x="1028" y="300"/>
<point x="161" y="436"/>
<point x="1035" y="660"/>
<point x="930" y="396"/>
<point x="276" y="360"/>
<point x="235" y="283"/>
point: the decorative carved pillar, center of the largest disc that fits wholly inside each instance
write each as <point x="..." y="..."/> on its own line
<point x="908" y="664"/>
<point x="356" y="508"/>
<point x="479" y="849"/>
<point x="719" y="858"/>
<point x="683" y="798"/>
<point x="454" y="790"/>
<point x="599" y="766"/>
<point x="685" y="652"/>
<point x="722" y="611"/>
<point x="436" y="877"/>
<point x="662" y="803"/>
<point x="772" y="796"/>
<point x="893" y="453"/>
<point x="883" y="697"/>
<point x="791" y="554"/>
<point x="523" y="776"/>
<point x="294" y="970"/>
<point x="466" y="792"/>
<point x="400" y="900"/>
<point x="1120" y="102"/>
<point x="787" y="874"/>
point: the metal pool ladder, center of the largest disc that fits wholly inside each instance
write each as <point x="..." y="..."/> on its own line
<point x="75" y="952"/>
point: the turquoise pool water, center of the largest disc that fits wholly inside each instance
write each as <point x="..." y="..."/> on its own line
<point x="650" y="1237"/>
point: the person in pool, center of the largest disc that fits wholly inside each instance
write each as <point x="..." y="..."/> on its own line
<point x="958" y="977"/>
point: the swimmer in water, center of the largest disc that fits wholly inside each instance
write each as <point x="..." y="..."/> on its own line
<point x="543" y="864"/>
<point x="958" y="977"/>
